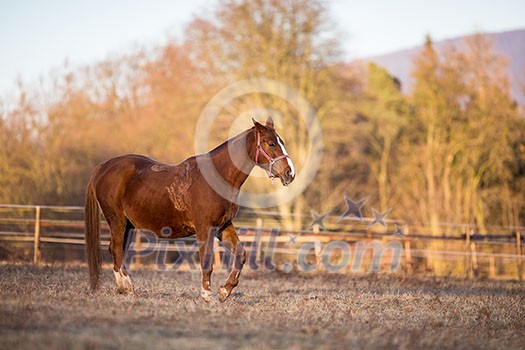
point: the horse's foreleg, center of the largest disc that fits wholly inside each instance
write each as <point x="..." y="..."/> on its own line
<point x="206" y="259"/>
<point x="231" y="242"/>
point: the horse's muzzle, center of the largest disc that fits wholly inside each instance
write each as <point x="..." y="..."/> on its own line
<point x="287" y="177"/>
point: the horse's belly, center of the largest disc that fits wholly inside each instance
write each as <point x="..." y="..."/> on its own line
<point x="165" y="226"/>
<point x="175" y="230"/>
<point x="157" y="213"/>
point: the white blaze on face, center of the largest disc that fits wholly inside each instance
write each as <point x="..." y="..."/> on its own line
<point x="288" y="159"/>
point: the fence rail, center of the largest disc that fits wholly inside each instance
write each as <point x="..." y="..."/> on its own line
<point x="497" y="255"/>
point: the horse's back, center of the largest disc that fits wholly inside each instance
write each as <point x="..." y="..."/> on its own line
<point x="113" y="175"/>
<point x="127" y="162"/>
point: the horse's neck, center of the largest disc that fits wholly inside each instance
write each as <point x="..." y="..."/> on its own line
<point x="234" y="158"/>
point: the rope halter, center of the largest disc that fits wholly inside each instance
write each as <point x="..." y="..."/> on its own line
<point x="271" y="161"/>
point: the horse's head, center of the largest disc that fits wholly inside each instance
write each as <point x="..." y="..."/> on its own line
<point x="270" y="153"/>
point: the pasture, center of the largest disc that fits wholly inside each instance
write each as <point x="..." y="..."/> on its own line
<point x="49" y="306"/>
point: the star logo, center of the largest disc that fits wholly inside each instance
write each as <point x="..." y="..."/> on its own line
<point x="379" y="218"/>
<point x="400" y="231"/>
<point x="318" y="219"/>
<point x="354" y="208"/>
<point x="292" y="239"/>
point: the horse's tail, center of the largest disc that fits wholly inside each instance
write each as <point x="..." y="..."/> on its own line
<point x="92" y="226"/>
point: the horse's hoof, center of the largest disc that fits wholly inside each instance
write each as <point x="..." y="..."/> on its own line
<point x="207" y="296"/>
<point x="124" y="285"/>
<point x="126" y="291"/>
<point x="223" y="294"/>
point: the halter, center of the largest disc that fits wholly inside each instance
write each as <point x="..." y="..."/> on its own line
<point x="270" y="160"/>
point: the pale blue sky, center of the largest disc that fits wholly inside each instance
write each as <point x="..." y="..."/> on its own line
<point x="37" y="36"/>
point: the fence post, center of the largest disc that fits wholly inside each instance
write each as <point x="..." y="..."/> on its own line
<point x="520" y="258"/>
<point x="408" y="254"/>
<point x="492" y="267"/>
<point x="138" y="247"/>
<point x="258" y="242"/>
<point x="217" y="255"/>
<point x="474" y="257"/>
<point x="468" y="262"/>
<point x="317" y="250"/>
<point x="37" y="255"/>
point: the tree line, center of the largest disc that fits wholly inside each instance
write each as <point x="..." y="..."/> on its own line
<point x="451" y="151"/>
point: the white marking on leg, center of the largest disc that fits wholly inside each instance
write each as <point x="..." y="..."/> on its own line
<point x="223" y="294"/>
<point x="126" y="282"/>
<point x="123" y="281"/>
<point x="206" y="295"/>
<point x="118" y="279"/>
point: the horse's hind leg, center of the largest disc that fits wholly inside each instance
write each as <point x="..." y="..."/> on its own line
<point x="118" y="225"/>
<point x="231" y="241"/>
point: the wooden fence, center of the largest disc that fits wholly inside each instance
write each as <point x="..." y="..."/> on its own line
<point x="460" y="252"/>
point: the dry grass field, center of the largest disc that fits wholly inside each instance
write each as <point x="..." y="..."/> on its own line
<point x="50" y="307"/>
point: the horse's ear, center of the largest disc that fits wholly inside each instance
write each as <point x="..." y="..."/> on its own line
<point x="269" y="123"/>
<point x="258" y="125"/>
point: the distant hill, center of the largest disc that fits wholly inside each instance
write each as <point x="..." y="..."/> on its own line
<point x="509" y="44"/>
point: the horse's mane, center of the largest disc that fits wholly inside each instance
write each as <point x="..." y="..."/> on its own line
<point x="224" y="144"/>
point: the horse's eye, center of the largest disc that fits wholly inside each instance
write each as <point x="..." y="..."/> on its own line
<point x="271" y="144"/>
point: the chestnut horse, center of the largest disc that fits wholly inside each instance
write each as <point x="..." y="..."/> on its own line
<point x="174" y="201"/>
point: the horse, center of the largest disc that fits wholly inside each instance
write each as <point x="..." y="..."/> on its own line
<point x="175" y="201"/>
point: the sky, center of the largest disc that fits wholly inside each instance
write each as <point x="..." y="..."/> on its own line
<point x="37" y="36"/>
